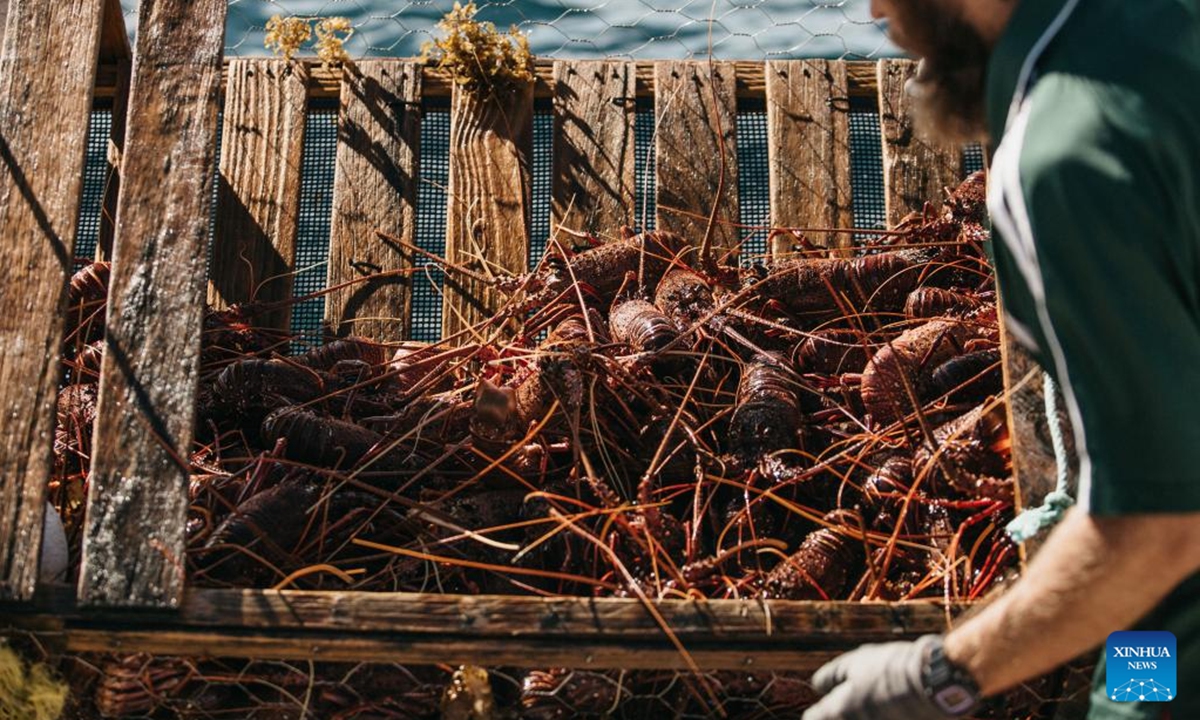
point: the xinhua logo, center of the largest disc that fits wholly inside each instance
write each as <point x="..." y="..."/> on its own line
<point x="1140" y="666"/>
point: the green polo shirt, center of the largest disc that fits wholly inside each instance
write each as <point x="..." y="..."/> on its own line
<point x="1095" y="199"/>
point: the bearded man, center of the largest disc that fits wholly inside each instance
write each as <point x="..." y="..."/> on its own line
<point x="1092" y="114"/>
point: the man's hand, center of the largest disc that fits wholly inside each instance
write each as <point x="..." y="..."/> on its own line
<point x="877" y="682"/>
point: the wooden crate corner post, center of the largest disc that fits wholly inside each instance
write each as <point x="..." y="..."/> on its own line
<point x="915" y="171"/>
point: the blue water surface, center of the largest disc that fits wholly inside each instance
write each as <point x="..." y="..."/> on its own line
<point x="636" y="29"/>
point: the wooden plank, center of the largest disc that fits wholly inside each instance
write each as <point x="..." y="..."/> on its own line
<point x="488" y="652"/>
<point x="594" y="109"/>
<point x="504" y="616"/>
<point x="137" y="492"/>
<point x="375" y="188"/>
<point x="1069" y="695"/>
<point x="490" y="630"/>
<point x="47" y="70"/>
<point x="808" y="145"/>
<point x="696" y="149"/>
<point x="914" y="170"/>
<point x="112" y="175"/>
<point x="487" y="225"/>
<point x="326" y="82"/>
<point x="575" y="632"/>
<point x="258" y="203"/>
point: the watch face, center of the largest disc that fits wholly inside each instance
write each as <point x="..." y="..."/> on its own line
<point x="954" y="699"/>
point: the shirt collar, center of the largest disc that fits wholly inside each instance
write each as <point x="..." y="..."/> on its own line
<point x="1029" y="21"/>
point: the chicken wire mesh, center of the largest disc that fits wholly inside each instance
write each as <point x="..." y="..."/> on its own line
<point x="142" y="686"/>
<point x="637" y="29"/>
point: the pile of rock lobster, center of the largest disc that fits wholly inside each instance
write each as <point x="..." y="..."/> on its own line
<point x="636" y="420"/>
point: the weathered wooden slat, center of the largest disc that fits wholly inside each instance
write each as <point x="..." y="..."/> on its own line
<point x="696" y="150"/>
<point x="488" y="652"/>
<point x="575" y="617"/>
<point x="594" y="109"/>
<point x="768" y="635"/>
<point x="258" y="200"/>
<point x="808" y="143"/>
<point x="47" y="69"/>
<point x="914" y="170"/>
<point x="575" y="632"/>
<point x="327" y="82"/>
<point x="137" y="492"/>
<point x="374" y="188"/>
<point x="509" y="616"/>
<point x="487" y="225"/>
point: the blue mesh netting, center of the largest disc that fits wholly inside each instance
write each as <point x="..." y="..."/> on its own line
<point x="216" y="181"/>
<point x="95" y="180"/>
<point x="866" y="167"/>
<point x="316" y="208"/>
<point x="973" y="158"/>
<point x="754" y="196"/>
<point x="434" y="174"/>
<point x="542" y="169"/>
<point x="646" y="189"/>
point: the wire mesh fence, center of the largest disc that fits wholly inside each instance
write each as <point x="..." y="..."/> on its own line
<point x="141" y="686"/>
<point x="636" y="29"/>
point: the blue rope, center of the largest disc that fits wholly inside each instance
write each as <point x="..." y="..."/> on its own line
<point x="1031" y="522"/>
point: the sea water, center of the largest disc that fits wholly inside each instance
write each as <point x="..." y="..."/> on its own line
<point x="635" y="29"/>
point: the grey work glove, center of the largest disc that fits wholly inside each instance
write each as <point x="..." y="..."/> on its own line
<point x="877" y="682"/>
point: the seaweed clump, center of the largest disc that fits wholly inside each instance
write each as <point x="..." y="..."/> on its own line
<point x="476" y="55"/>
<point x="285" y="36"/>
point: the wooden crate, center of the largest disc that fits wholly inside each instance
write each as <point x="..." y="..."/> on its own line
<point x="132" y="594"/>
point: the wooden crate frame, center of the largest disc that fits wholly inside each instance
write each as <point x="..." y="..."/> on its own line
<point x="131" y="594"/>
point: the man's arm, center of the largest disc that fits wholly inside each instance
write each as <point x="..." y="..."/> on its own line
<point x="1094" y="575"/>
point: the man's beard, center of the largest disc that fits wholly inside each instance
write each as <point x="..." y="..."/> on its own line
<point x="949" y="89"/>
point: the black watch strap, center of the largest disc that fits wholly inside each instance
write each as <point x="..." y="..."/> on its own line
<point x="951" y="688"/>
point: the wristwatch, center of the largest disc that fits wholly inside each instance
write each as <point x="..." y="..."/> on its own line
<point x="950" y="688"/>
